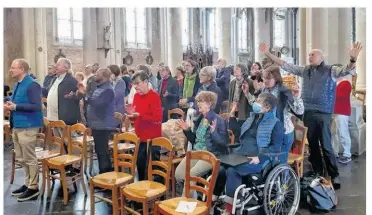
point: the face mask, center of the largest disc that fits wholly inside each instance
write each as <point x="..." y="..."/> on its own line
<point x="257" y="108"/>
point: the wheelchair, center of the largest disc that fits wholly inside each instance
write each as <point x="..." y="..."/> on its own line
<point x="274" y="191"/>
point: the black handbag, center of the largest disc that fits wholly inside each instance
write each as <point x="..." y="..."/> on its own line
<point x="321" y="195"/>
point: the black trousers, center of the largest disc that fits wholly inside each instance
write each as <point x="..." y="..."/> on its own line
<point x="101" y="139"/>
<point x="319" y="130"/>
<point x="142" y="160"/>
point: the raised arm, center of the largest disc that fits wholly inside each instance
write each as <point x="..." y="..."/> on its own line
<point x="290" y="68"/>
<point x="349" y="69"/>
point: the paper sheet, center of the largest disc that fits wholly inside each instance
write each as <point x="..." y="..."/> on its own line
<point x="186" y="207"/>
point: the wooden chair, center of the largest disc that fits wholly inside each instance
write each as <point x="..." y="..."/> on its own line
<point x="116" y="179"/>
<point x="296" y="158"/>
<point x="148" y="191"/>
<point x="168" y="207"/>
<point x="176" y="111"/>
<point x="7" y="132"/>
<point x="61" y="162"/>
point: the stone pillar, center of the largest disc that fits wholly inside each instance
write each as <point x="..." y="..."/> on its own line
<point x="344" y="34"/>
<point x="361" y="37"/>
<point x="262" y="26"/>
<point x="302" y="37"/>
<point x="102" y="22"/>
<point x="90" y="54"/>
<point x="195" y="28"/>
<point x="224" y="31"/>
<point x="156" y="38"/>
<point x="309" y="15"/>
<point x="28" y="20"/>
<point x="319" y="30"/>
<point x="117" y="26"/>
<point x="164" y="35"/>
<point x="333" y="43"/>
<point x="41" y="55"/>
<point x="174" y="38"/>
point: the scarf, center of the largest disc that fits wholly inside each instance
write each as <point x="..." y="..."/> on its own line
<point x="238" y="90"/>
<point x="188" y="87"/>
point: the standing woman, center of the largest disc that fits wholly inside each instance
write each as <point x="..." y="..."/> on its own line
<point x="119" y="86"/>
<point x="180" y="74"/>
<point x="191" y="83"/>
<point x="256" y="72"/>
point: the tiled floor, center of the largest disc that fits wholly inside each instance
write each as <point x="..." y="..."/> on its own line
<point x="351" y="197"/>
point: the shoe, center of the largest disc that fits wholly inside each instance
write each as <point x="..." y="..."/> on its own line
<point x="336" y="183"/>
<point x="19" y="191"/>
<point x="344" y="160"/>
<point x="30" y="194"/>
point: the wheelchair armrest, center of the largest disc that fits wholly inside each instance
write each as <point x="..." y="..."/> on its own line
<point x="234" y="146"/>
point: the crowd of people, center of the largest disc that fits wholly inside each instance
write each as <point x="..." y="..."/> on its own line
<point x="260" y="107"/>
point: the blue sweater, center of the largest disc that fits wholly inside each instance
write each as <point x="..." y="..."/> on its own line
<point x="27" y="97"/>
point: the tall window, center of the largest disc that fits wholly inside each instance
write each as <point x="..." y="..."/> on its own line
<point x="136" y="34"/>
<point x="185" y="27"/>
<point x="279" y="27"/>
<point x="243" y="32"/>
<point x="212" y="30"/>
<point x="70" y="25"/>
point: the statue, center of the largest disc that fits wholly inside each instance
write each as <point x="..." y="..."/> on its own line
<point x="107" y="36"/>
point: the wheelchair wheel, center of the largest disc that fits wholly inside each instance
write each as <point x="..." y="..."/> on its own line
<point x="282" y="191"/>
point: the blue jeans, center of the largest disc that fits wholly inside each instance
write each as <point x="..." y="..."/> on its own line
<point x="287" y="144"/>
<point x="235" y="175"/>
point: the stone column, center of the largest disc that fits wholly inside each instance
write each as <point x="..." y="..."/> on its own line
<point x="195" y="28"/>
<point x="156" y="35"/>
<point x="28" y="20"/>
<point x="41" y="55"/>
<point x="117" y="26"/>
<point x="224" y="31"/>
<point x="102" y="22"/>
<point x="262" y="26"/>
<point x="333" y="43"/>
<point x="164" y="35"/>
<point x="319" y="30"/>
<point x="174" y="38"/>
<point x="90" y="55"/>
<point x="344" y="34"/>
<point x="302" y="37"/>
<point x="361" y="37"/>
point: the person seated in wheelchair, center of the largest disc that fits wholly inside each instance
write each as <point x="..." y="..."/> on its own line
<point x="261" y="134"/>
<point x="210" y="134"/>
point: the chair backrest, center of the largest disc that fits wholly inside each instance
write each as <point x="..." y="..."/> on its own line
<point x="176" y="111"/>
<point x="299" y="139"/>
<point x="165" y="166"/>
<point x="118" y="116"/>
<point x="54" y="139"/>
<point x="74" y="144"/>
<point x="231" y="136"/>
<point x="121" y="157"/>
<point x="207" y="187"/>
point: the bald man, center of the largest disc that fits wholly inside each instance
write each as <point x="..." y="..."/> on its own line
<point x="100" y="116"/>
<point x="318" y="94"/>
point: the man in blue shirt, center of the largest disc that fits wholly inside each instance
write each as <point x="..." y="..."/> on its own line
<point x="26" y="119"/>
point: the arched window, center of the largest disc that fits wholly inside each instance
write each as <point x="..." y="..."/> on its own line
<point x="279" y="27"/>
<point x="212" y="29"/>
<point x="70" y="26"/>
<point x="135" y="26"/>
<point x="243" y="32"/>
<point x="185" y="27"/>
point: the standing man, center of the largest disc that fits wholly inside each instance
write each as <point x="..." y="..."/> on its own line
<point x="223" y="78"/>
<point x="318" y="94"/>
<point x="62" y="102"/>
<point x="101" y="116"/>
<point x="26" y="119"/>
<point x="48" y="79"/>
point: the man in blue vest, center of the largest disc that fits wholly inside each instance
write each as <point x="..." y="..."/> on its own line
<point x="318" y="94"/>
<point x="26" y="119"/>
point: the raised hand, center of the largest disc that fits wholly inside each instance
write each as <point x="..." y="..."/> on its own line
<point x="254" y="160"/>
<point x="264" y="48"/>
<point x="182" y="124"/>
<point x="213" y="126"/>
<point x="296" y="90"/>
<point x="355" y="50"/>
<point x="245" y="87"/>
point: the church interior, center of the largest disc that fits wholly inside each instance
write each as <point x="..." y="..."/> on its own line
<point x="161" y="41"/>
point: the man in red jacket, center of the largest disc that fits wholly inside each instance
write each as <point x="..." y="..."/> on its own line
<point x="146" y="111"/>
<point x="343" y="111"/>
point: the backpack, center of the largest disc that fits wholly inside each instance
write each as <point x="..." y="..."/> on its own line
<point x="317" y="193"/>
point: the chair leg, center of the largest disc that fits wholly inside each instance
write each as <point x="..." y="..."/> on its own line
<point x="13" y="168"/>
<point x="297" y="167"/>
<point x="115" y="205"/>
<point x="83" y="183"/>
<point x="301" y="167"/>
<point x="64" y="185"/>
<point x="145" y="207"/>
<point x="92" y="198"/>
<point x="91" y="160"/>
<point x="173" y="181"/>
<point x="122" y="203"/>
<point x="48" y="180"/>
<point x="156" y="205"/>
<point x="43" y="177"/>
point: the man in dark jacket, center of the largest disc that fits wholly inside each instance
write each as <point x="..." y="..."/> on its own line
<point x="318" y="94"/>
<point x="101" y="116"/>
<point x="223" y="77"/>
<point x="62" y="102"/>
<point x="48" y="79"/>
<point x="169" y="91"/>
